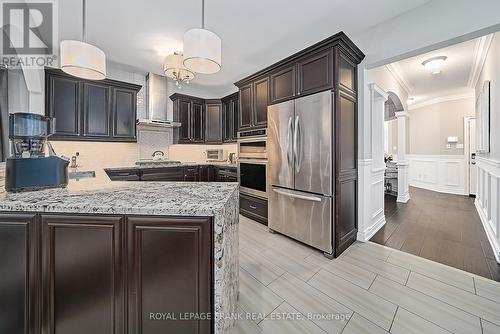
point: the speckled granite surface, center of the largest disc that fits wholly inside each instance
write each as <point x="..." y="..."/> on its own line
<point x="145" y="165"/>
<point x="102" y="196"/>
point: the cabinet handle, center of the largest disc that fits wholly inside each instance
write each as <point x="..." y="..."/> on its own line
<point x="253" y="207"/>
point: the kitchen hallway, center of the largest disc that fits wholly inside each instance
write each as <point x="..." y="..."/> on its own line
<point x="368" y="289"/>
<point x="440" y="227"/>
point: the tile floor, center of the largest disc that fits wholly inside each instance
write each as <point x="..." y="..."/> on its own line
<point x="287" y="287"/>
<point x="440" y="227"/>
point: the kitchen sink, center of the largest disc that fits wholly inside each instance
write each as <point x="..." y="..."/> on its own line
<point x="81" y="175"/>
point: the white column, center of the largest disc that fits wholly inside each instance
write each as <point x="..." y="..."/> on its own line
<point x="371" y="171"/>
<point x="403" y="186"/>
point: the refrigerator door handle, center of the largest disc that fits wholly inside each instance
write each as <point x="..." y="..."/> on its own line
<point x="295" y="144"/>
<point x="289" y="142"/>
<point x="294" y="195"/>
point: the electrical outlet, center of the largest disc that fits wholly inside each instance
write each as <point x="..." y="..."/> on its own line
<point x="460" y="145"/>
<point x="448" y="145"/>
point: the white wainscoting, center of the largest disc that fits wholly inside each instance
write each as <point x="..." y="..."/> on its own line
<point x="370" y="199"/>
<point x="441" y="173"/>
<point x="487" y="200"/>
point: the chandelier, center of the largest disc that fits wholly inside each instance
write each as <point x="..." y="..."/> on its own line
<point x="174" y="69"/>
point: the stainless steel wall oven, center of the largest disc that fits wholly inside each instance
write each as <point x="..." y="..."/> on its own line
<point x="252" y="163"/>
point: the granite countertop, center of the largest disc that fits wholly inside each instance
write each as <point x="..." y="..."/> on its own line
<point x="101" y="195"/>
<point x="166" y="164"/>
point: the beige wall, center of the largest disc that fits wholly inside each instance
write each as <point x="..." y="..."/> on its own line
<point x="101" y="155"/>
<point x="98" y="154"/>
<point x="196" y="153"/>
<point x="430" y="126"/>
<point x="491" y="72"/>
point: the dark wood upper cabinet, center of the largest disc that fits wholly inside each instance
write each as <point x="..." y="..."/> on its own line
<point x="246" y="107"/>
<point x="197" y="122"/>
<point x="213" y="128"/>
<point x="183" y="108"/>
<point x="230" y="106"/>
<point x="19" y="274"/>
<point x="124" y="112"/>
<point x="315" y="72"/>
<point x="190" y="112"/>
<point x="283" y="84"/>
<point x="90" y="110"/>
<point x="206" y="121"/>
<point x="96" y="110"/>
<point x="170" y="271"/>
<point x="63" y="102"/>
<point x="236" y="116"/>
<point x="83" y="274"/>
<point x="261" y="89"/>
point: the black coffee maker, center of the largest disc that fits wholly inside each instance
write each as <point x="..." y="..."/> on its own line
<point x="28" y="167"/>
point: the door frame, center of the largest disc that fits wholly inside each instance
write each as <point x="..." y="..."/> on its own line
<point x="467" y="153"/>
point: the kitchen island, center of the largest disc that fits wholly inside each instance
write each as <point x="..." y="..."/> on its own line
<point x="120" y="257"/>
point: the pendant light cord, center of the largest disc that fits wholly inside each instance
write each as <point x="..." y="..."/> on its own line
<point x="84" y="21"/>
<point x="202" y="14"/>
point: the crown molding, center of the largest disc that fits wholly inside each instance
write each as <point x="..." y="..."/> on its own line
<point x="441" y="99"/>
<point x="397" y="73"/>
<point x="479" y="58"/>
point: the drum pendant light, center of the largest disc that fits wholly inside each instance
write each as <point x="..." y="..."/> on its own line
<point x="81" y="59"/>
<point x="202" y="48"/>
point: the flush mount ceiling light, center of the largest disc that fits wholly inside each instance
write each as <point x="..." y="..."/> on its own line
<point x="433" y="65"/>
<point x="174" y="69"/>
<point x="202" y="48"/>
<point x="81" y="59"/>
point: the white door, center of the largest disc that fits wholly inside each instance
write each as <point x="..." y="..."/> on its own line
<point x="472" y="157"/>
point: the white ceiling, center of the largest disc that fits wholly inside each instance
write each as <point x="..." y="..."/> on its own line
<point x="254" y="34"/>
<point x="453" y="79"/>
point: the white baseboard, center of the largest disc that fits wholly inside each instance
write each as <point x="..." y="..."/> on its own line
<point x="370" y="231"/>
<point x="486" y="225"/>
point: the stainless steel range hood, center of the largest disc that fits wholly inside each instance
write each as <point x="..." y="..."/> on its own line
<point x="157" y="102"/>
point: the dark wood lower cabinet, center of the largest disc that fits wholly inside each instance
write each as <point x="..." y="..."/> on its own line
<point x="99" y="274"/>
<point x="19" y="274"/>
<point x="83" y="278"/>
<point x="253" y="208"/>
<point x="170" y="265"/>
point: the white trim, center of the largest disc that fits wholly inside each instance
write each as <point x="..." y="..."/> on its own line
<point x="467" y="119"/>
<point x="441" y="99"/>
<point x="491" y="239"/>
<point x="397" y="73"/>
<point x="370" y="231"/>
<point x="491" y="162"/>
<point x="365" y="162"/>
<point x="480" y="53"/>
<point x="402" y="114"/>
<point x="377" y="89"/>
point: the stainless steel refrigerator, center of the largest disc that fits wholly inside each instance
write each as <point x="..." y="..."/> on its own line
<point x="300" y="169"/>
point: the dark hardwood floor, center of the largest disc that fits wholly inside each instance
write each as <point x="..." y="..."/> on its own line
<point x="440" y="227"/>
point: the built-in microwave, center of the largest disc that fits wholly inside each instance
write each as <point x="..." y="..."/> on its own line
<point x="252" y="147"/>
<point x="215" y="155"/>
